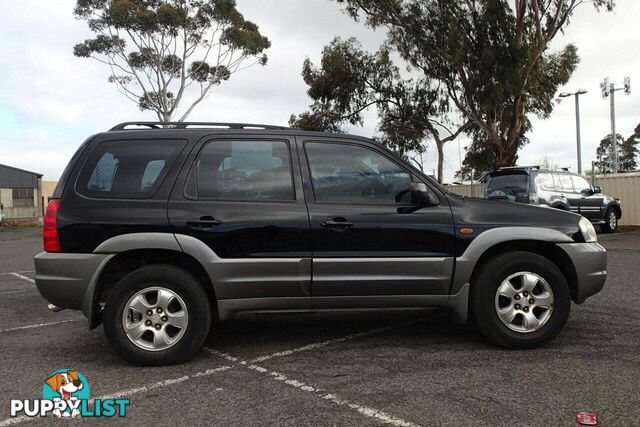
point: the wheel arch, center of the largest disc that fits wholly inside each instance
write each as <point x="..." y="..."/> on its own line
<point x="132" y="251"/>
<point x="542" y="241"/>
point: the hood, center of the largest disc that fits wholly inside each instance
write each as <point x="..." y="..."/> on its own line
<point x="496" y="213"/>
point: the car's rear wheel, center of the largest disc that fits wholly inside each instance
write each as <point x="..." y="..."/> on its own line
<point x="157" y="315"/>
<point x="610" y="221"/>
<point x="520" y="300"/>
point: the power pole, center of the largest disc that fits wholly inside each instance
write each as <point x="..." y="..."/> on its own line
<point x="579" y="149"/>
<point x="608" y="90"/>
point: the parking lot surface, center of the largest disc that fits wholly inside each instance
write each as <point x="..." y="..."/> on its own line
<point x="367" y="368"/>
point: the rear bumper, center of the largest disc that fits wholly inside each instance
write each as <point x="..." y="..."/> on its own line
<point x="590" y="263"/>
<point x="68" y="280"/>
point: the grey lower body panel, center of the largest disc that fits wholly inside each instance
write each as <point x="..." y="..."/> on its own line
<point x="456" y="303"/>
<point x="66" y="279"/>
<point x="590" y="262"/>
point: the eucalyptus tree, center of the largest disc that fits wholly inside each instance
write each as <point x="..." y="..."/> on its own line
<point x="156" y="50"/>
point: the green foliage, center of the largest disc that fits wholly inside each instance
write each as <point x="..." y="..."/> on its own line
<point x="627" y="153"/>
<point x="491" y="61"/>
<point x="155" y="49"/>
<point x="349" y="80"/>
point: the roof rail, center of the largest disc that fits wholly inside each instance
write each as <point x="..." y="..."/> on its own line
<point x="518" y="167"/>
<point x="185" y="125"/>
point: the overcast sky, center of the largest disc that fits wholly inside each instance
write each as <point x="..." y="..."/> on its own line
<point x="51" y="101"/>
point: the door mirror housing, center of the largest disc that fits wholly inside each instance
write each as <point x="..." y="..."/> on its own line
<point x="597" y="189"/>
<point x="422" y="196"/>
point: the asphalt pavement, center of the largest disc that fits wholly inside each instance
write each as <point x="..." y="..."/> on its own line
<point x="366" y="368"/>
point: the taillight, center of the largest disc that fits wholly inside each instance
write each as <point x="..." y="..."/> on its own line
<point x="50" y="238"/>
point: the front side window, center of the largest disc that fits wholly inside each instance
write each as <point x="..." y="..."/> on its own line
<point x="127" y="169"/>
<point x="343" y="173"/>
<point x="244" y="170"/>
<point x="580" y="184"/>
<point x="565" y="182"/>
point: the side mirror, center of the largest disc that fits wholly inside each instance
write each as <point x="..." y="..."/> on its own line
<point x="422" y="196"/>
<point x="597" y="189"/>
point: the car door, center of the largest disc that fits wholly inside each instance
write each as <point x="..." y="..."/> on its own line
<point x="572" y="197"/>
<point x="368" y="239"/>
<point x="241" y="196"/>
<point x="590" y="203"/>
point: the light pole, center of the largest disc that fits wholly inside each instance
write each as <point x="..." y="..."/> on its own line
<point x="577" y="95"/>
<point x="608" y="90"/>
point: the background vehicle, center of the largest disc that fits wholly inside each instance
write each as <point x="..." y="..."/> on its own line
<point x="158" y="232"/>
<point x="558" y="189"/>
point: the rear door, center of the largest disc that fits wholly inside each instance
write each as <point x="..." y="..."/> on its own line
<point x="242" y="197"/>
<point x="590" y="203"/>
<point x="366" y="238"/>
<point x="572" y="196"/>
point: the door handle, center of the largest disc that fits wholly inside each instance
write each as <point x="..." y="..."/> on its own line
<point x="339" y="224"/>
<point x="204" y="222"/>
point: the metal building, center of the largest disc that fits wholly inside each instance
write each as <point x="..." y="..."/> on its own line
<point x="20" y="195"/>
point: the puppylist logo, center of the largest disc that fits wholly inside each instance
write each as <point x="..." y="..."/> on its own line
<point x="66" y="393"/>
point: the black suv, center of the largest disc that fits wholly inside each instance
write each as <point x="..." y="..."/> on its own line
<point x="558" y="189"/>
<point x="158" y="230"/>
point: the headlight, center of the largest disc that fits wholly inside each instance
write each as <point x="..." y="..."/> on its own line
<point x="587" y="230"/>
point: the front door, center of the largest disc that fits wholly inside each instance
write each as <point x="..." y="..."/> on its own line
<point x="242" y="198"/>
<point x="367" y="239"/>
<point x="590" y="203"/>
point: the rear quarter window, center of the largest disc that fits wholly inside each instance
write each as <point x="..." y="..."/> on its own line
<point x="131" y="169"/>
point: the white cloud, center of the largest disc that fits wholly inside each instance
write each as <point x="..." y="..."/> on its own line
<point x="54" y="100"/>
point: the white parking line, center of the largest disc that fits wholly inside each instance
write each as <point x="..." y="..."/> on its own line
<point x="39" y="325"/>
<point x="128" y="392"/>
<point x="369" y="412"/>
<point x="318" y="392"/>
<point x="18" y="291"/>
<point x="23" y="271"/>
<point x="25" y="278"/>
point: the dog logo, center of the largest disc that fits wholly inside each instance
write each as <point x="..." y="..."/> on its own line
<point x="66" y="388"/>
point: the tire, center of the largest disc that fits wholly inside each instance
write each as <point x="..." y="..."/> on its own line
<point x="189" y="308"/>
<point x="485" y="302"/>
<point x="610" y="221"/>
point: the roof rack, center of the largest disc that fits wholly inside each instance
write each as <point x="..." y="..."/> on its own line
<point x="186" y="125"/>
<point x="518" y="167"/>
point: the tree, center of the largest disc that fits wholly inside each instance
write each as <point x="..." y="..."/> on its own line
<point x="604" y="154"/>
<point x="629" y="151"/>
<point x="156" y="49"/>
<point x="490" y="58"/>
<point x="350" y="80"/>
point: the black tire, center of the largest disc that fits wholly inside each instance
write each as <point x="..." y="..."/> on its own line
<point x="608" y="227"/>
<point x="483" y="299"/>
<point x="181" y="283"/>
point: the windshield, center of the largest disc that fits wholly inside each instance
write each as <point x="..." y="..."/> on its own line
<point x="515" y="183"/>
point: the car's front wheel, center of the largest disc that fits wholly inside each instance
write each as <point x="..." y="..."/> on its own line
<point x="157" y="315"/>
<point x="520" y="300"/>
<point x="610" y="221"/>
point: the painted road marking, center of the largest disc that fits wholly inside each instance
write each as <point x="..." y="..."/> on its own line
<point x="25" y="278"/>
<point x="18" y="291"/>
<point x="318" y="392"/>
<point x="39" y="325"/>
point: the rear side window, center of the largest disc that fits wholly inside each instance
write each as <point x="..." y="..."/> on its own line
<point x="565" y="182"/>
<point x="544" y="181"/>
<point x="243" y="170"/>
<point x="128" y="169"/>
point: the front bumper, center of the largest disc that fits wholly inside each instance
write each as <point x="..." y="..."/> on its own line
<point x="68" y="280"/>
<point x="590" y="263"/>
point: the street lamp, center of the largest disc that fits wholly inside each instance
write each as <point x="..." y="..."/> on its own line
<point x="576" y="95"/>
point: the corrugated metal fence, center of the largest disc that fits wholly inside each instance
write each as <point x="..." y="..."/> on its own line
<point x="624" y="186"/>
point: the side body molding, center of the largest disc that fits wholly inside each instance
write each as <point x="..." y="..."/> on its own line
<point x="467" y="261"/>
<point x="132" y="241"/>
